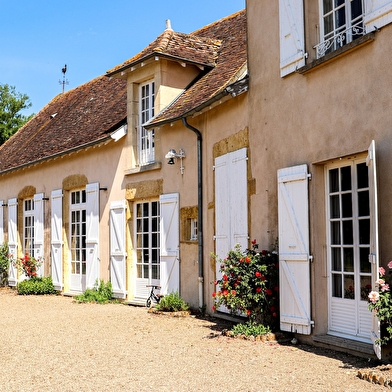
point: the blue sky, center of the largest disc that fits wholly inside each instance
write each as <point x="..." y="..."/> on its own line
<point x="37" y="38"/>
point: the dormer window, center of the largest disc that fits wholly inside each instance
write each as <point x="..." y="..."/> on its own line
<point x="341" y="23"/>
<point x="146" y="112"/>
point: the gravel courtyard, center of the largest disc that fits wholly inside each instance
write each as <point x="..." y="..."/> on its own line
<point x="50" y="343"/>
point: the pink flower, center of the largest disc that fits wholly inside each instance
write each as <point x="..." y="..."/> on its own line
<point x="381" y="270"/>
<point x="390" y="264"/>
<point x="385" y="287"/>
<point x="373" y="296"/>
<point x="381" y="282"/>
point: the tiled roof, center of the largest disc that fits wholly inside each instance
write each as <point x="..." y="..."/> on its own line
<point x="79" y="117"/>
<point x="186" y="47"/>
<point x="229" y="65"/>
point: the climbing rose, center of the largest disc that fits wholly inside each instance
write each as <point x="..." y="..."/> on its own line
<point x="258" y="274"/>
<point x="382" y="271"/>
<point x="373" y="296"/>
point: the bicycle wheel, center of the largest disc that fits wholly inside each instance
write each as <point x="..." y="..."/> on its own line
<point x="148" y="302"/>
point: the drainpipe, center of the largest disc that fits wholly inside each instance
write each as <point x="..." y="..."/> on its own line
<point x="199" y="209"/>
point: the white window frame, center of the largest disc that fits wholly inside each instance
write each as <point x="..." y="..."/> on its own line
<point x="146" y="112"/>
<point x="28" y="226"/>
<point x="193" y="229"/>
<point x="339" y="35"/>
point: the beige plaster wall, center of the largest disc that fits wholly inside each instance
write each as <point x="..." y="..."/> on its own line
<point x="101" y="164"/>
<point x="333" y="111"/>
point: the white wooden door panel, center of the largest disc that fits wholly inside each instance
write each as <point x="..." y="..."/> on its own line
<point x="170" y="243"/>
<point x="118" y="248"/>
<point x="56" y="253"/>
<point x="13" y="239"/>
<point x="294" y="271"/>
<point x="39" y="229"/>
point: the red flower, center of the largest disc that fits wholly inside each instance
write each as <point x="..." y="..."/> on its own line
<point x="258" y="274"/>
<point x="276" y="288"/>
<point x="215" y="282"/>
<point x="254" y="242"/>
<point x="214" y="294"/>
<point x="247" y="259"/>
<point x="225" y="292"/>
<point x="214" y="308"/>
<point x="258" y="289"/>
<point x="268" y="291"/>
<point x="233" y="292"/>
<point x="248" y="312"/>
<point x="225" y="278"/>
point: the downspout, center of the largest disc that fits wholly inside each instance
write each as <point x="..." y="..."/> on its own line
<point x="199" y="210"/>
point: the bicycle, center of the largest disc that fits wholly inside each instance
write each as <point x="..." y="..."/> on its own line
<point x="153" y="296"/>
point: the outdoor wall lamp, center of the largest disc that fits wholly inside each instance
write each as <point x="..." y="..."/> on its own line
<point x="173" y="154"/>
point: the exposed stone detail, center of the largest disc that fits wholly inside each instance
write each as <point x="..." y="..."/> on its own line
<point x="143" y="189"/>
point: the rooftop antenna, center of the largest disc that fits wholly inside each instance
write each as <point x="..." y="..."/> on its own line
<point x="64" y="81"/>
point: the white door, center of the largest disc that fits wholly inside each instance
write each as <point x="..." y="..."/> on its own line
<point x="231" y="204"/>
<point x="350" y="228"/>
<point x="118" y="252"/>
<point x="56" y="240"/>
<point x="294" y="272"/>
<point x="147" y="246"/>
<point x="13" y="239"/>
<point x="169" y="243"/>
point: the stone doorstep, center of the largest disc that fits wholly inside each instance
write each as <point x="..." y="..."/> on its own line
<point x="354" y="347"/>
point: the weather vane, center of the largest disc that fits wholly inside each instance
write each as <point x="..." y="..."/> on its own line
<point x="64" y="81"/>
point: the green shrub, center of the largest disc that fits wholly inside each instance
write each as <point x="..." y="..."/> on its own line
<point x="172" y="303"/>
<point x="101" y="293"/>
<point x="4" y="263"/>
<point x="36" y="286"/>
<point x="250" y="329"/>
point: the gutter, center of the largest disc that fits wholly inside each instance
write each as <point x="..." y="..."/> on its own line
<point x="199" y="210"/>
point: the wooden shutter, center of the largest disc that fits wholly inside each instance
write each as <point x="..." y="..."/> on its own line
<point x="294" y="272"/>
<point x="169" y="243"/>
<point x="92" y="234"/>
<point x="118" y="252"/>
<point x="39" y="229"/>
<point x="56" y="240"/>
<point x="374" y="252"/>
<point x="378" y="13"/>
<point x="12" y="238"/>
<point x="292" y="36"/>
<point x="1" y="222"/>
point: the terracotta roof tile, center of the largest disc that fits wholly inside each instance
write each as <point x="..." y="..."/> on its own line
<point x="231" y="60"/>
<point x="187" y="47"/>
<point x="84" y="115"/>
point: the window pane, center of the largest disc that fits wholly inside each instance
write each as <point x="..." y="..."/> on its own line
<point x="335" y="233"/>
<point x="365" y="266"/>
<point x="333" y="180"/>
<point x="362" y="176"/>
<point x="337" y="285"/>
<point x="363" y="203"/>
<point x="327" y="6"/>
<point x="340" y="16"/>
<point x="345" y="178"/>
<point x="336" y="261"/>
<point x="349" y="287"/>
<point x="366" y="287"/>
<point x="348" y="232"/>
<point x="356" y="8"/>
<point x="364" y="231"/>
<point x="346" y="206"/>
<point x="348" y="259"/>
<point x="334" y="206"/>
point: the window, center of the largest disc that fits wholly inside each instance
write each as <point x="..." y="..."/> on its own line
<point x="28" y="226"/>
<point x="146" y="112"/>
<point x="193" y="223"/>
<point x="341" y="23"/>
<point x="147" y="240"/>
<point x="78" y="233"/>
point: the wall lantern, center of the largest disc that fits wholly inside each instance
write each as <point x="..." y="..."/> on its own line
<point x="173" y="154"/>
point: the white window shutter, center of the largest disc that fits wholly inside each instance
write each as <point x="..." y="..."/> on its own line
<point x="294" y="269"/>
<point x="292" y="36"/>
<point x="56" y="239"/>
<point x="378" y="13"/>
<point x="92" y="234"/>
<point x="1" y="222"/>
<point x="169" y="243"/>
<point x="374" y="252"/>
<point x="39" y="229"/>
<point x="118" y="252"/>
<point x="13" y="238"/>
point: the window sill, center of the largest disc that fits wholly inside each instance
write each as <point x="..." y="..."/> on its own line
<point x="144" y="168"/>
<point x="365" y="39"/>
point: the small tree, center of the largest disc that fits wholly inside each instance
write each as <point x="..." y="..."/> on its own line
<point x="249" y="285"/>
<point x="11" y="103"/>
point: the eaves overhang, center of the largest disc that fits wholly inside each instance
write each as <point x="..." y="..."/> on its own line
<point x="157" y="56"/>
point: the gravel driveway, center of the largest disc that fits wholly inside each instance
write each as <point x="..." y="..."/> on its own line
<point x="52" y="344"/>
